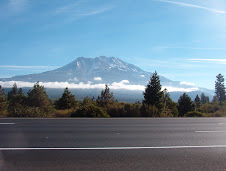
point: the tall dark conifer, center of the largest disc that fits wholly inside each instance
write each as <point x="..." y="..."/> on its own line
<point x="67" y="100"/>
<point x="13" y="92"/>
<point x="220" y="88"/>
<point x="3" y="102"/>
<point x="197" y="102"/>
<point x="185" y="104"/>
<point x="153" y="95"/>
<point x="105" y="97"/>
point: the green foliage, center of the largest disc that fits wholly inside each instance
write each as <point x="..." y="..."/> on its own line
<point x="219" y="113"/>
<point x="204" y="99"/>
<point x="38" y="102"/>
<point x="220" y="88"/>
<point x="209" y="108"/>
<point x="87" y="101"/>
<point x="194" y="114"/>
<point x="67" y="101"/>
<point x="197" y="102"/>
<point x="170" y="107"/>
<point x="106" y="97"/>
<point x="17" y="102"/>
<point x="3" y="102"/>
<point x="13" y="92"/>
<point x="156" y="103"/>
<point x="17" y="105"/>
<point x="64" y="113"/>
<point x="89" y="110"/>
<point x="115" y="109"/>
<point x="153" y="96"/>
<point x="132" y="110"/>
<point x="123" y="109"/>
<point x="185" y="105"/>
<point x="149" y="111"/>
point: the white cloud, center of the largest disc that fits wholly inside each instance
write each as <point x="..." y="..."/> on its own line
<point x="194" y="6"/>
<point x="114" y="86"/>
<point x="8" y="84"/>
<point x="179" y="89"/>
<point x="73" y="79"/>
<point x="124" y="81"/>
<point x="186" y="83"/>
<point x="97" y="78"/>
<point x="216" y="61"/>
<point x="27" y="67"/>
<point x="142" y="75"/>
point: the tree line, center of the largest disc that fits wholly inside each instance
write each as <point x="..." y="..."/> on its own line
<point x="156" y="103"/>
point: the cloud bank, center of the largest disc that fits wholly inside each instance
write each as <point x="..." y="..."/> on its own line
<point x="186" y="83"/>
<point x="122" y="85"/>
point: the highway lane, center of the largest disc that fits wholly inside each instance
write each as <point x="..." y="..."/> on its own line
<point x="173" y="144"/>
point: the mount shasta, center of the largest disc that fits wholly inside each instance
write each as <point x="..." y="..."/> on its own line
<point x="92" y="73"/>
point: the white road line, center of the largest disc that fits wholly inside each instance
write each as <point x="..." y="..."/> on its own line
<point x="210" y="131"/>
<point x="115" y="148"/>
<point x="7" y="123"/>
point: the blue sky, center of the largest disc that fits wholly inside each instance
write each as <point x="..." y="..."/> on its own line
<point x="184" y="40"/>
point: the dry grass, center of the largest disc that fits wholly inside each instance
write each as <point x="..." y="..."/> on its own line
<point x="63" y="113"/>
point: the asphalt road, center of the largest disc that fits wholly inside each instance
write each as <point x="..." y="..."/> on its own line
<point x="113" y="144"/>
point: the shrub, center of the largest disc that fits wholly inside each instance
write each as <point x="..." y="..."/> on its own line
<point x="89" y="111"/>
<point x="209" y="108"/>
<point x="151" y="111"/>
<point x="64" y="113"/>
<point x="219" y="113"/>
<point x="194" y="114"/>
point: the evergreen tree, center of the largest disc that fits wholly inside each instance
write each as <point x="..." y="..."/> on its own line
<point x="215" y="99"/>
<point x="106" y="97"/>
<point x="197" y="102"/>
<point x="17" y="105"/>
<point x="170" y="107"/>
<point x="13" y="92"/>
<point x="185" y="104"/>
<point x="220" y="88"/>
<point x="38" y="102"/>
<point x="20" y="92"/>
<point x="153" y="95"/>
<point x="67" y="100"/>
<point x="204" y="99"/>
<point x="3" y="102"/>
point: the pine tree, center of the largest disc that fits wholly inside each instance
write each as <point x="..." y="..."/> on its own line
<point x="220" y="88"/>
<point x="3" y="102"/>
<point x="17" y="105"/>
<point x="20" y="92"/>
<point x="67" y="100"/>
<point x="197" y="102"/>
<point x="185" y="104"/>
<point x="13" y="92"/>
<point x="204" y="99"/>
<point x="153" y="95"/>
<point x="38" y="102"/>
<point x="170" y="107"/>
<point x="105" y="97"/>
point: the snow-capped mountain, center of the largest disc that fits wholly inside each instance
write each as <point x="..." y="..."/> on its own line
<point x="95" y="72"/>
